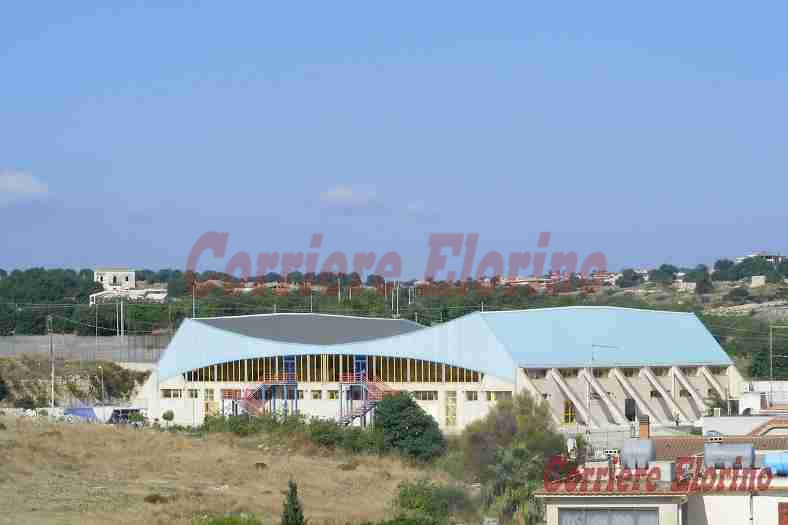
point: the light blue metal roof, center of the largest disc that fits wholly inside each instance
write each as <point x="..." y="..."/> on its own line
<point x="494" y="343"/>
<point x="604" y="336"/>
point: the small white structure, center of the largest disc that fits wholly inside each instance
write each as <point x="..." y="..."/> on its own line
<point x="684" y="286"/>
<point x="113" y="278"/>
<point x="756" y="281"/>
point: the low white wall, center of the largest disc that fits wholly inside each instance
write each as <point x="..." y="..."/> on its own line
<point x="734" y="425"/>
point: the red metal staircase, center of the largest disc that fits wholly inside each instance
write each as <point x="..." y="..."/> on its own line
<point x="254" y="399"/>
<point x="372" y="392"/>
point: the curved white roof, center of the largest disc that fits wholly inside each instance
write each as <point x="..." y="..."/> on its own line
<point x="494" y="343"/>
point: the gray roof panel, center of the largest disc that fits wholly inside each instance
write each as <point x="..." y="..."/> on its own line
<point x="312" y="329"/>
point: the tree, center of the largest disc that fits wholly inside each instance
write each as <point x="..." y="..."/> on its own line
<point x="522" y="421"/>
<point x="714" y="400"/>
<point x="664" y="274"/>
<point x="292" y="513"/>
<point x="724" y="270"/>
<point x="628" y="279"/>
<point x="507" y="452"/>
<point x="168" y="416"/>
<point x="738" y="295"/>
<point x="3" y="389"/>
<point x="406" y="428"/>
<point x="782" y="269"/>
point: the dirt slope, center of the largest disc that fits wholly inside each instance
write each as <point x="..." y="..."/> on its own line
<point x="59" y="473"/>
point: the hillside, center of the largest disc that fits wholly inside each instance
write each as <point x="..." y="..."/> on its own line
<point x="25" y="381"/>
<point x="97" y="474"/>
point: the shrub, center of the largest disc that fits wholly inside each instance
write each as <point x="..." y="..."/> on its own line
<point x="325" y="433"/>
<point x="292" y="513"/>
<point x="429" y="502"/>
<point x="3" y="389"/>
<point x="25" y="402"/>
<point x="405" y="427"/>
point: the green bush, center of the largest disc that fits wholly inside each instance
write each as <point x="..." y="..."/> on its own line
<point x="406" y="428"/>
<point x="25" y="402"/>
<point x="431" y="503"/>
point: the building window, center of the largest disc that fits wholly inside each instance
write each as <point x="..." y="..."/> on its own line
<point x="569" y="372"/>
<point x="601" y="372"/>
<point x="192" y="393"/>
<point x="493" y="395"/>
<point x="630" y="516"/>
<point x="569" y="413"/>
<point x="425" y="395"/>
<point x="655" y="394"/>
<point x="127" y="278"/>
<point x="545" y="396"/>
<point x="317" y="394"/>
<point x="684" y="393"/>
<point x="299" y="394"/>
<point x="333" y="394"/>
<point x="171" y="393"/>
<point x="471" y="395"/>
<point x="630" y="372"/>
<point x="536" y="374"/>
<point x="231" y="393"/>
<point x="209" y="394"/>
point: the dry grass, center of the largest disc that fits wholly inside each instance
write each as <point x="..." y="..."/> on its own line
<point x="57" y="473"/>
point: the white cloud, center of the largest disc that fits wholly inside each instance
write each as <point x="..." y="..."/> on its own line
<point x="349" y="198"/>
<point x="17" y="186"/>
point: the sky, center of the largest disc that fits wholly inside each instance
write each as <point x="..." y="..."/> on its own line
<point x="650" y="134"/>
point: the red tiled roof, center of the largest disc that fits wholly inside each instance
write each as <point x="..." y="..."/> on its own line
<point x="672" y="448"/>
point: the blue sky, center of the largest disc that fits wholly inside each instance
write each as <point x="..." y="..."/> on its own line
<point x="650" y="134"/>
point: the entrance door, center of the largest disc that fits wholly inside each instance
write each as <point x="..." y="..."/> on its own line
<point x="630" y="409"/>
<point x="451" y="409"/>
<point x="360" y="365"/>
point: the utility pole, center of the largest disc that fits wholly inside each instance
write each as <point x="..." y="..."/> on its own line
<point x="397" y="282"/>
<point x="97" y="341"/>
<point x="51" y="364"/>
<point x="194" y="299"/>
<point x="771" y="365"/>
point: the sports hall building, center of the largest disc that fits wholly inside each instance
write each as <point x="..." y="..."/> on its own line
<point x="596" y="367"/>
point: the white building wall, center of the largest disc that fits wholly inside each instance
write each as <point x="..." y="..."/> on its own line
<point x="192" y="411"/>
<point x="668" y="508"/>
<point x="115" y="278"/>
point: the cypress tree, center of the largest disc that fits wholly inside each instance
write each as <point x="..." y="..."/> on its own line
<point x="292" y="514"/>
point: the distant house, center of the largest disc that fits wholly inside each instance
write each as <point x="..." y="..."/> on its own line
<point x="115" y="278"/>
<point x="684" y="286"/>
<point x="771" y="258"/>
<point x="756" y="281"/>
